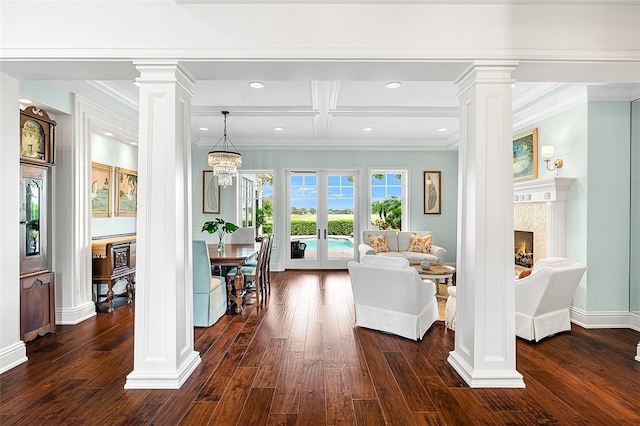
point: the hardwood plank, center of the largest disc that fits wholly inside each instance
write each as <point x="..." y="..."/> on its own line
<point x="287" y="396"/>
<point x="200" y="412"/>
<point x="312" y="393"/>
<point x="448" y="407"/>
<point x="269" y="369"/>
<point x="414" y="394"/>
<point x="339" y="406"/>
<point x="394" y="407"/>
<point x="230" y="406"/>
<point x="256" y="410"/>
<point x="368" y="412"/>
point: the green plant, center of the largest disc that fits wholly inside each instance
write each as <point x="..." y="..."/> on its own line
<point x="219" y="226"/>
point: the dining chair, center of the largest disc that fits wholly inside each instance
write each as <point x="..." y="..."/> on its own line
<point x="252" y="273"/>
<point x="246" y="235"/>
<point x="266" y="266"/>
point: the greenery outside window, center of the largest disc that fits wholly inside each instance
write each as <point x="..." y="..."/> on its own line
<point x="388" y="204"/>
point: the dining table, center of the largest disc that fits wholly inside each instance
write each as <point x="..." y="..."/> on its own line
<point x="234" y="255"/>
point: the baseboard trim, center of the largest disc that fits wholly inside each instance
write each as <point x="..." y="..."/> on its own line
<point x="605" y="319"/>
<point x="12" y="356"/>
<point x="75" y="315"/>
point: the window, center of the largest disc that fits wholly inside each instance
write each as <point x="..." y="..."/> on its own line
<point x="388" y="198"/>
<point x="256" y="201"/>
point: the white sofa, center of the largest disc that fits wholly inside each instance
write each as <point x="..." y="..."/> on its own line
<point x="543" y="298"/>
<point x="398" y="243"/>
<point x="390" y="296"/>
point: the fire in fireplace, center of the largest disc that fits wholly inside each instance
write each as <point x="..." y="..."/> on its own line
<point x="523" y="248"/>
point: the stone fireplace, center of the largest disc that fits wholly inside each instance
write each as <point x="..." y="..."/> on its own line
<point x="540" y="207"/>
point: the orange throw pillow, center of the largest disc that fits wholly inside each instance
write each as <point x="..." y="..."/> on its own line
<point x="379" y="243"/>
<point x="524" y="273"/>
<point x="420" y="244"/>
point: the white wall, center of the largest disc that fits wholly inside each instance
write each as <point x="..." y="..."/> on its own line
<point x="608" y="211"/>
<point x="12" y="349"/>
<point x="114" y="153"/>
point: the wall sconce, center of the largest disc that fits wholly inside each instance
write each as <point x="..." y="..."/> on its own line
<point x="547" y="153"/>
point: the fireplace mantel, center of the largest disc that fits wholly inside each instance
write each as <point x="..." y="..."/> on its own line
<point x="554" y="193"/>
<point x="535" y="191"/>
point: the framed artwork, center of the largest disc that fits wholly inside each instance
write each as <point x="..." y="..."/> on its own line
<point x="525" y="155"/>
<point x="432" y="193"/>
<point x="126" y="184"/>
<point x="101" y="175"/>
<point x="37" y="132"/>
<point x="210" y="192"/>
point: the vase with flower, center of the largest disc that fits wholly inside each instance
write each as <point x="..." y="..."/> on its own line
<point x="220" y="227"/>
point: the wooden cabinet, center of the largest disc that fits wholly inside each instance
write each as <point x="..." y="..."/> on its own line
<point x="114" y="258"/>
<point x="37" y="305"/>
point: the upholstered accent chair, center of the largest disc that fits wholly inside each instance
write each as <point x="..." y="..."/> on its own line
<point x="390" y="296"/>
<point x="544" y="297"/>
<point x="209" y="292"/>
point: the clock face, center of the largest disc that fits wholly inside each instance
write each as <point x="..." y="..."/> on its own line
<point x="32" y="143"/>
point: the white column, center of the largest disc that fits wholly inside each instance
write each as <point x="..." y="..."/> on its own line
<point x="638" y="353"/>
<point x="484" y="353"/>
<point x="12" y="350"/>
<point x="163" y="345"/>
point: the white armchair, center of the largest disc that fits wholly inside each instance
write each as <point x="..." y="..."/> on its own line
<point x="390" y="296"/>
<point x="543" y="298"/>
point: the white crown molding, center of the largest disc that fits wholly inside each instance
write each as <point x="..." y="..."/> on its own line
<point x="111" y="90"/>
<point x="445" y="2"/>
<point x="556" y="102"/>
<point x="613" y="92"/>
<point x="533" y="94"/>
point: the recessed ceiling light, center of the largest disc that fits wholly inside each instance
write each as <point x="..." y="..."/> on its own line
<point x="278" y="129"/>
<point x="108" y="134"/>
<point x="367" y="129"/>
<point x="25" y="101"/>
<point x="134" y="143"/>
<point x="444" y="129"/>
<point x="513" y="85"/>
<point x="256" y="84"/>
<point x="204" y="129"/>
<point x="393" y="84"/>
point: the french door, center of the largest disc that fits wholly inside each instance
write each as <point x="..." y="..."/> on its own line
<point x="322" y="218"/>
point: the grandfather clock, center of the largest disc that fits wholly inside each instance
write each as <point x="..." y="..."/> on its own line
<point x="37" y="296"/>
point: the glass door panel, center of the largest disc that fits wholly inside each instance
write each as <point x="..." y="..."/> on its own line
<point x="321" y="221"/>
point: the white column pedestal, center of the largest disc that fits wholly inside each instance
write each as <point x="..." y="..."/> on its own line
<point x="163" y="345"/>
<point x="484" y="353"/>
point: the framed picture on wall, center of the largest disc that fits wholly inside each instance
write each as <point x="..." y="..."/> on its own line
<point x="126" y="185"/>
<point x="210" y="192"/>
<point x="432" y="194"/>
<point x="525" y="155"/>
<point x="101" y="175"/>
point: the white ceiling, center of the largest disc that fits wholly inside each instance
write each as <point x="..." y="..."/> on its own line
<point x="324" y="114"/>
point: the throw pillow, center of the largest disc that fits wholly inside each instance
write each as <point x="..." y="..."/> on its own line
<point x="379" y="243"/>
<point x="524" y="273"/>
<point x="420" y="244"/>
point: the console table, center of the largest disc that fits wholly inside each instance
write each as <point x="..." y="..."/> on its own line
<point x="113" y="260"/>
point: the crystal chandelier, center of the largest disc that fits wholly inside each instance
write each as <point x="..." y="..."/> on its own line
<point x="225" y="160"/>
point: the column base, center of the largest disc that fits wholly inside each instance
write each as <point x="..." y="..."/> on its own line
<point x="485" y="378"/>
<point x="163" y="380"/>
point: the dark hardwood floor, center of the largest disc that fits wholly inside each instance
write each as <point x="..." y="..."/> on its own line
<point x="300" y="360"/>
